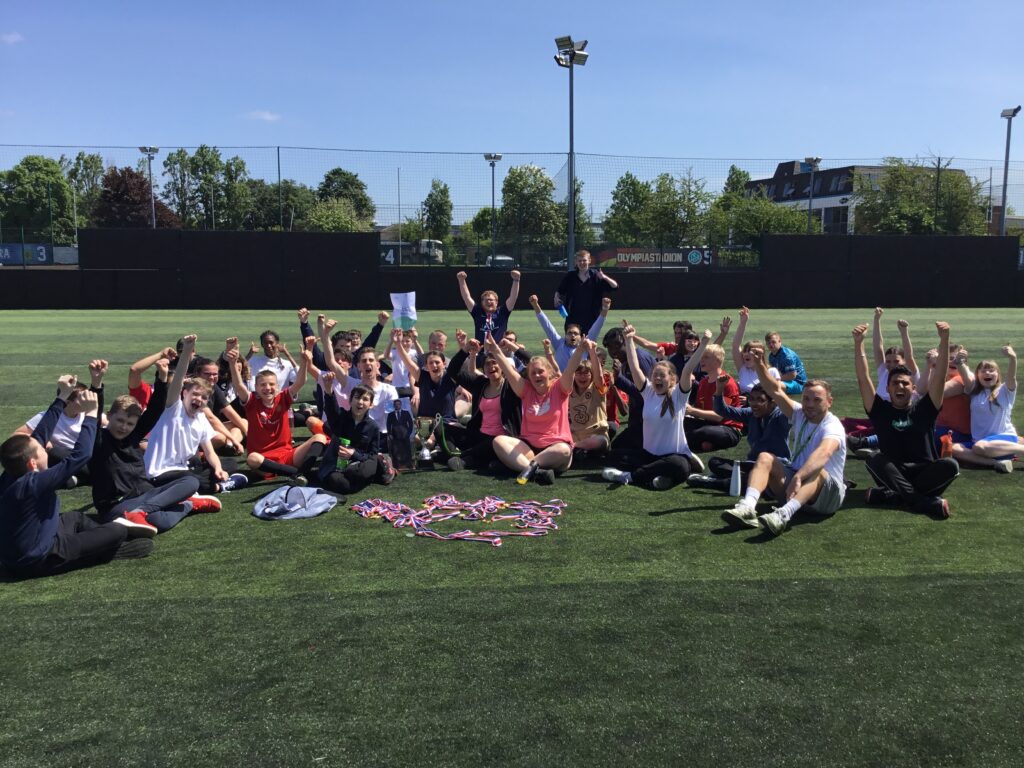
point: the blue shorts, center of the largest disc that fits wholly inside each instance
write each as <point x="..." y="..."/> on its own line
<point x="793" y="387"/>
<point x="1008" y="437"/>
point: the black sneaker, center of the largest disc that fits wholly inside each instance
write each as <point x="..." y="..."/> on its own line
<point x="456" y="464"/>
<point x="876" y="496"/>
<point x="708" y="481"/>
<point x="134" y="549"/>
<point x="662" y="483"/>
<point x="855" y="443"/>
<point x="544" y="476"/>
<point x="386" y="469"/>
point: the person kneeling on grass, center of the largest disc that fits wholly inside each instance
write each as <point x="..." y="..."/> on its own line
<point x="813" y="478"/>
<point x="269" y="440"/>
<point x="666" y="459"/>
<point x="35" y="538"/>
<point x="544" y="445"/>
<point x="907" y="467"/>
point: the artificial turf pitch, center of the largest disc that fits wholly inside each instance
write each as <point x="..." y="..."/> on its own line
<point x="641" y="632"/>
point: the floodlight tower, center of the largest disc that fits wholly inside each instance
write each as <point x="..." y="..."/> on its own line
<point x="493" y="158"/>
<point x="150" y="153"/>
<point x="813" y="162"/>
<point x="571" y="54"/>
<point x="1009" y="114"/>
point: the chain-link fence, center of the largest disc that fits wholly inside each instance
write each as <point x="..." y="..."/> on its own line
<point x="460" y="207"/>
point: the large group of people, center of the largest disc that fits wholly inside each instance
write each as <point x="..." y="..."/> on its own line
<point x="166" y="450"/>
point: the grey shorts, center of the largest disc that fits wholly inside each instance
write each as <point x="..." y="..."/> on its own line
<point x="830" y="496"/>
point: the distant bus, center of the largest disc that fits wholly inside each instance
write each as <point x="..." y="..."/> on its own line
<point x="394" y="253"/>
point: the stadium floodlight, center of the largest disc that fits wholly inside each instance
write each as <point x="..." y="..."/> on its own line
<point x="150" y="153"/>
<point x="813" y="163"/>
<point x="493" y="158"/>
<point x="571" y="54"/>
<point x="1009" y="114"/>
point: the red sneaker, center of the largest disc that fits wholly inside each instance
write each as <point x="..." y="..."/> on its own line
<point x="137" y="524"/>
<point x="201" y="504"/>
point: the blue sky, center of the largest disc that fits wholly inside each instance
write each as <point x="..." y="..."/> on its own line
<point x="674" y="79"/>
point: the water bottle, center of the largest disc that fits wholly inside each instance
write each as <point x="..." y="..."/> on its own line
<point x="735" y="480"/>
<point x="341" y="463"/>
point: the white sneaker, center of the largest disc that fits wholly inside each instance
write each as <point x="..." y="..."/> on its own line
<point x="772" y="522"/>
<point x="742" y="515"/>
<point x="613" y="475"/>
<point x="1004" y="466"/>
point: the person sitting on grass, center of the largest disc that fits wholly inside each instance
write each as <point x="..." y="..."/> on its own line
<point x="994" y="441"/>
<point x="786" y="362"/>
<point x="229" y="428"/>
<point x="269" y="441"/>
<point x="353" y="459"/>
<point x="487" y="316"/>
<point x="119" y="486"/>
<point x="907" y="467"/>
<point x="588" y="414"/>
<point x="812" y="478"/>
<point x="706" y="429"/>
<point x="35" y="538"/>
<point x="686" y="345"/>
<point x="665" y="459"/>
<point x="865" y="442"/>
<point x="495" y="409"/>
<point x="64" y="435"/>
<point x="632" y="436"/>
<point x="746" y="373"/>
<point x="767" y="429"/>
<point x="953" y="424"/>
<point x="275" y="358"/>
<point x="544" y="443"/>
<point x="182" y="430"/>
<point x="563" y="346"/>
<point x="137" y="386"/>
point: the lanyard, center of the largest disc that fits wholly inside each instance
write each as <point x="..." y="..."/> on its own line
<point x="797" y="446"/>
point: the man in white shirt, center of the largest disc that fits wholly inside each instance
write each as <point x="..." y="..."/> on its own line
<point x="812" y="478"/>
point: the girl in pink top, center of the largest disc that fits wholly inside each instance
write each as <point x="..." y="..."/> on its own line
<point x="544" y="444"/>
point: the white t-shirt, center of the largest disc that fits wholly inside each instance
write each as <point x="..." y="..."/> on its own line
<point x="882" y="390"/>
<point x="174" y="440"/>
<point x="384" y="396"/>
<point x="988" y="418"/>
<point x="399" y="373"/>
<point x="285" y="371"/>
<point x="805" y="437"/>
<point x="663" y="434"/>
<point x="747" y="378"/>
<point x="65" y="434"/>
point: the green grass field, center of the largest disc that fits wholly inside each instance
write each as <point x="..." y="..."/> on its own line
<point x="641" y="633"/>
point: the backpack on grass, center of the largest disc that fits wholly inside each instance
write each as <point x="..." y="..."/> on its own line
<point x="292" y="503"/>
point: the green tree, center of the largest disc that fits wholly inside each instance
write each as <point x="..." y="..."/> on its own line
<point x="180" y="189"/>
<point x="625" y="222"/>
<point x="266" y="205"/>
<point x="481" y="224"/>
<point x="124" y="201"/>
<point x="437" y="211"/>
<point x="739" y="220"/>
<point x="529" y="215"/>
<point x="207" y="167"/>
<point x="678" y="211"/>
<point x="35" y="193"/>
<point x="335" y="215"/>
<point x="345" y="185"/>
<point x="736" y="182"/>
<point x="908" y="199"/>
<point x="237" y="198"/>
<point x="85" y="175"/>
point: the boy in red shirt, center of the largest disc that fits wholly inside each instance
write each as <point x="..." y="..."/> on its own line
<point x="269" y="439"/>
<point x="705" y="429"/>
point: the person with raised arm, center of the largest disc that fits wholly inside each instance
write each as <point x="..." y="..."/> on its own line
<point x="907" y="467"/>
<point x="563" y="346"/>
<point x="544" y="443"/>
<point x="994" y="441"/>
<point x="35" y="538"/>
<point x="488" y="316"/>
<point x="746" y="372"/>
<point x="812" y="479"/>
<point x="665" y="459"/>
<point x="183" y="429"/>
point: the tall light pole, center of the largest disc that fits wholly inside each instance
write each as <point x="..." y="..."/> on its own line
<point x="1009" y="114"/>
<point x="150" y="153"/>
<point x="813" y="162"/>
<point x="492" y="158"/>
<point x="571" y="54"/>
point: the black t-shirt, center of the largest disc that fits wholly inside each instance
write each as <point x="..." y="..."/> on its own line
<point x="582" y="298"/>
<point x="905" y="436"/>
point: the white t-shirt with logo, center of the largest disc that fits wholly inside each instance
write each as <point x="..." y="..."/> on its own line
<point x="805" y="437"/>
